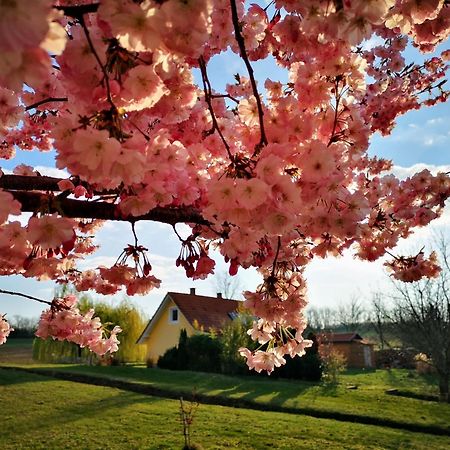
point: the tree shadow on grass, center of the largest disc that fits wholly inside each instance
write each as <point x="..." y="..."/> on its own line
<point x="70" y="410"/>
<point x="11" y="376"/>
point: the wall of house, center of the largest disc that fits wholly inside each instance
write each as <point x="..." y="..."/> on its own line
<point x="354" y="354"/>
<point x="165" y="334"/>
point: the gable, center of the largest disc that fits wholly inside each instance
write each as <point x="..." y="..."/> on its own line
<point x="164" y="321"/>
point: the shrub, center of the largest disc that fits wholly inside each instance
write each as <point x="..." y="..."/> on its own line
<point x="334" y="363"/>
<point x="234" y="336"/>
<point x="308" y="367"/>
<point x="199" y="352"/>
<point x="399" y="358"/>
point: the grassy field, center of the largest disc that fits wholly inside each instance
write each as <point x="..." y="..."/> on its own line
<point x="16" y="351"/>
<point x="369" y="399"/>
<point x="43" y="413"/>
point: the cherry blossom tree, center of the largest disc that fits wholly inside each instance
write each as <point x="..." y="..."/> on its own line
<point x="271" y="174"/>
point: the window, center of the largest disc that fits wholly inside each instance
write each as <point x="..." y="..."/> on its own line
<point x="173" y="315"/>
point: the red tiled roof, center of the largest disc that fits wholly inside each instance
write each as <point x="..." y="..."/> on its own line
<point x="208" y="312"/>
<point x="340" y="337"/>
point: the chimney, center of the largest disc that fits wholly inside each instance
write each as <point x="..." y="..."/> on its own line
<point x="192" y="291"/>
<point x="219" y="295"/>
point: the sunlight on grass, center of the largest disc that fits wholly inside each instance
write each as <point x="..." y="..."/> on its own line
<point x="55" y="414"/>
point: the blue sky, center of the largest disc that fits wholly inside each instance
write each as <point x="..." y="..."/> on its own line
<point x="421" y="137"/>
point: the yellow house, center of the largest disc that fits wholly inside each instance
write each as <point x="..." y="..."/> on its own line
<point x="189" y="311"/>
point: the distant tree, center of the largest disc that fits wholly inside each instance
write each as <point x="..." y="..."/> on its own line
<point x="420" y="316"/>
<point x="377" y="320"/>
<point x="351" y="314"/>
<point x="324" y="318"/>
<point x="230" y="287"/>
<point x="24" y="327"/>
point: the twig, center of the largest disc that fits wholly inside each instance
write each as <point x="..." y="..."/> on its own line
<point x="19" y="294"/>
<point x="208" y="95"/>
<point x="46" y="100"/>
<point x="136" y="243"/>
<point x="276" y="257"/>
<point x="94" y="52"/>
<point x="241" y="43"/>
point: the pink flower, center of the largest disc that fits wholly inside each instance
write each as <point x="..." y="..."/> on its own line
<point x="251" y="193"/>
<point x="66" y="185"/>
<point x="23" y="24"/>
<point x="10" y="110"/>
<point x="8" y="205"/>
<point x="142" y="88"/>
<point x="65" y="322"/>
<point x="50" y="232"/>
<point x="5" y="329"/>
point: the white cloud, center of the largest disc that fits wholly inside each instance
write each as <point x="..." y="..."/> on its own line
<point x="52" y="172"/>
<point x="405" y="172"/>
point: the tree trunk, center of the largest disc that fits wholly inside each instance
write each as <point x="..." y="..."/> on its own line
<point x="443" y="387"/>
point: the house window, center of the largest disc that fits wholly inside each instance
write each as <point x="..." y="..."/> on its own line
<point x="173" y="315"/>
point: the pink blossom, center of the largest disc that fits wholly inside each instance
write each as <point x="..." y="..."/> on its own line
<point x="50" y="231"/>
<point x="23" y="24"/>
<point x="5" y="329"/>
<point x="8" y="205"/>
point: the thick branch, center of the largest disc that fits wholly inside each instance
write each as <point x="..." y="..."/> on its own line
<point x="43" y="183"/>
<point x="82" y="209"/>
<point x="29" y="183"/>
<point x="77" y="11"/>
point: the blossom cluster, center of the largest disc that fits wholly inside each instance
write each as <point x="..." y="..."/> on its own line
<point x="271" y="173"/>
<point x="64" y="321"/>
<point x="5" y="329"/>
<point x="413" y="268"/>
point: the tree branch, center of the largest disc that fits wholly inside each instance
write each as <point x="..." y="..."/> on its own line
<point x="82" y="209"/>
<point x="46" y="100"/>
<point x="77" y="11"/>
<point x="19" y="294"/>
<point x="241" y="43"/>
<point x="208" y="95"/>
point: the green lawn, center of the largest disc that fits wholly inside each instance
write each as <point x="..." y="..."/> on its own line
<point x="43" y="413"/>
<point x="368" y="400"/>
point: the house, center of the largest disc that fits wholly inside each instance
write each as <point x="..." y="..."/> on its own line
<point x="189" y="311"/>
<point x="357" y="351"/>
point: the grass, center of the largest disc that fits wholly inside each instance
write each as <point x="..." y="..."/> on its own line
<point x="369" y="400"/>
<point x="54" y="414"/>
<point x="16" y="351"/>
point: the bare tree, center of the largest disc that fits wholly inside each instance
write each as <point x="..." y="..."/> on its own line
<point x="229" y="286"/>
<point x="378" y="319"/>
<point x="351" y="314"/>
<point x="420" y="316"/>
<point x="324" y="318"/>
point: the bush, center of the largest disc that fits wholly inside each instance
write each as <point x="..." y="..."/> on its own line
<point x="334" y="363"/>
<point x="170" y="359"/>
<point x="308" y="367"/>
<point x="234" y="336"/>
<point x="200" y="352"/>
<point x="398" y="358"/>
<point x="219" y="353"/>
